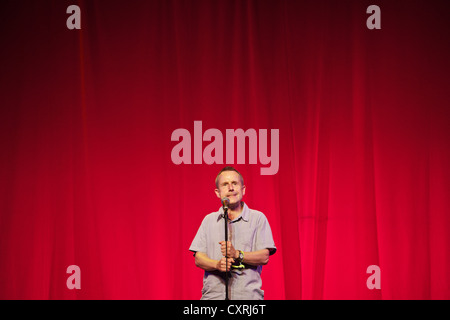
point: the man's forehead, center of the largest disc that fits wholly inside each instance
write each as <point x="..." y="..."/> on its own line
<point x="227" y="176"/>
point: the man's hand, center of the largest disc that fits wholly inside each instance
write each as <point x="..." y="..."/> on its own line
<point x="231" y="252"/>
<point x="222" y="263"/>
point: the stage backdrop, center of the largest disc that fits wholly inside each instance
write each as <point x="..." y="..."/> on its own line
<point x="107" y="160"/>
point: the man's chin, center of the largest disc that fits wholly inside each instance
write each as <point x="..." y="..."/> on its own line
<point x="234" y="204"/>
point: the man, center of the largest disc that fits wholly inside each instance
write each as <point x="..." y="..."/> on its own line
<point x="250" y="243"/>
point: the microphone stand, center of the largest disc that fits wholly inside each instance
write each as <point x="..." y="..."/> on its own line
<point x="225" y="215"/>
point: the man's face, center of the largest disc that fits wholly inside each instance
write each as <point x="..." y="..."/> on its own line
<point x="230" y="186"/>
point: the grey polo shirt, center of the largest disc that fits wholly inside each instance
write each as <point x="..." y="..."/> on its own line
<point x="248" y="232"/>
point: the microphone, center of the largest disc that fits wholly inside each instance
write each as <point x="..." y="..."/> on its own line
<point x="225" y="202"/>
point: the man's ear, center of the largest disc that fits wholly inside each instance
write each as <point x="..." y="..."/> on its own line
<point x="217" y="193"/>
<point x="243" y="190"/>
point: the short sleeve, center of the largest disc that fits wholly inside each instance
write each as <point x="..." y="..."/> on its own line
<point x="199" y="243"/>
<point x="264" y="238"/>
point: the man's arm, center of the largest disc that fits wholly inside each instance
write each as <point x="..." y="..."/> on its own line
<point x="254" y="258"/>
<point x="204" y="262"/>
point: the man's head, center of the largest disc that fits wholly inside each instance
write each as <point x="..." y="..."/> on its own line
<point x="230" y="184"/>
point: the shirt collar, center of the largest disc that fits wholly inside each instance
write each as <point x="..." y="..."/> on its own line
<point x="244" y="214"/>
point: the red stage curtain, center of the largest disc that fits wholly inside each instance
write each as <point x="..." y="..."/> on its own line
<point x="87" y="178"/>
